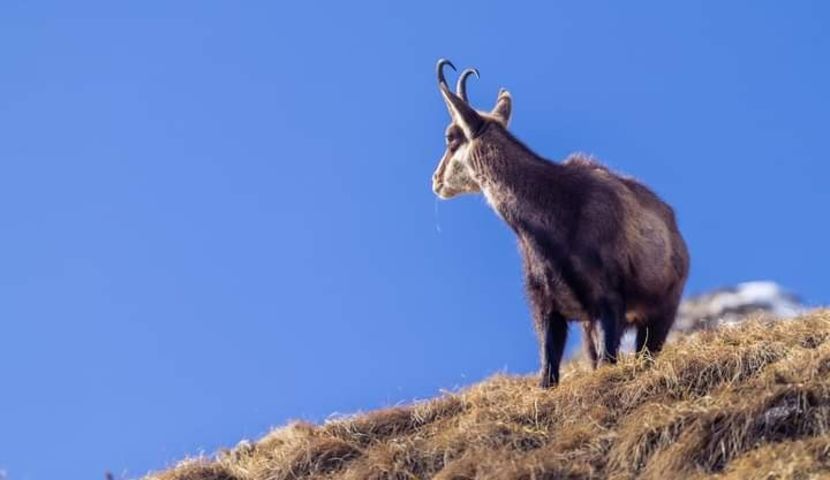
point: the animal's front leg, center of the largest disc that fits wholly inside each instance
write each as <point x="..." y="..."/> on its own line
<point x="610" y="320"/>
<point x="554" y="334"/>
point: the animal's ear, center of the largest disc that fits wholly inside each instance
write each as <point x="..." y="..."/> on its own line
<point x="462" y="114"/>
<point x="503" y="108"/>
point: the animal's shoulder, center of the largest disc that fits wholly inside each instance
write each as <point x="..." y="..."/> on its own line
<point x="582" y="161"/>
<point x="583" y="165"/>
<point x="587" y="164"/>
<point x="586" y="169"/>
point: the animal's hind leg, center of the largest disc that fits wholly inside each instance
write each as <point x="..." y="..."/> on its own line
<point x="589" y="342"/>
<point x="554" y="334"/>
<point x="652" y="336"/>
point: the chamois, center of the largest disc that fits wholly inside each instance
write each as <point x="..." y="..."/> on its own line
<point x="597" y="247"/>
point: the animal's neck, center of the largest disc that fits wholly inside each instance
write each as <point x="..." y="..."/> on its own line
<point x="510" y="176"/>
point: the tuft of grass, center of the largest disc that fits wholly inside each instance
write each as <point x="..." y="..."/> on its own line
<point x="751" y="401"/>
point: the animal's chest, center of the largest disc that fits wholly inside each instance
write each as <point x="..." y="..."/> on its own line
<point x="547" y="283"/>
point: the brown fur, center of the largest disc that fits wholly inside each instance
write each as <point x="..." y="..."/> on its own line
<point x="597" y="247"/>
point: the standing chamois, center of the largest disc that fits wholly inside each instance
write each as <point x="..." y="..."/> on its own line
<point x="596" y="247"/>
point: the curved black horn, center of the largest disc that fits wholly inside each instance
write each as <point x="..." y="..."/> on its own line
<point x="463" y="114"/>
<point x="461" y="85"/>
<point x="440" y="70"/>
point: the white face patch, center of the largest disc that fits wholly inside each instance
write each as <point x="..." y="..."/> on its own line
<point x="460" y="155"/>
<point x="454" y="174"/>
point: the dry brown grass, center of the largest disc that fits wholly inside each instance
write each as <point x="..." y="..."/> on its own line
<point x="745" y="402"/>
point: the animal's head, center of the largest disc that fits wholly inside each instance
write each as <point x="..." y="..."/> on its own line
<point x="467" y="132"/>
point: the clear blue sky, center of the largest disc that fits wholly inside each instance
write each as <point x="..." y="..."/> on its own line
<point x="216" y="217"/>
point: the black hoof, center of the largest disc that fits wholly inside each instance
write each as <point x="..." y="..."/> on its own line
<point x="547" y="381"/>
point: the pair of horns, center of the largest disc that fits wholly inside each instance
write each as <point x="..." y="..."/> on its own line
<point x="461" y="84"/>
<point x="460" y="110"/>
<point x="462" y="113"/>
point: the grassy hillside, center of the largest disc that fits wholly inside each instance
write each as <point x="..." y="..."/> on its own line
<point x="746" y="402"/>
